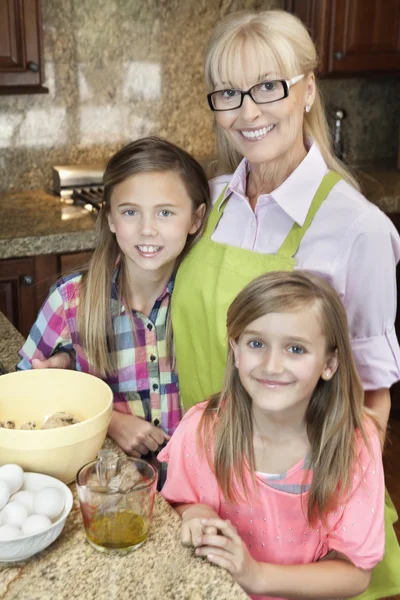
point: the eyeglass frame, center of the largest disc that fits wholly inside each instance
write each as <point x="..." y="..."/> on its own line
<point x="286" y="83"/>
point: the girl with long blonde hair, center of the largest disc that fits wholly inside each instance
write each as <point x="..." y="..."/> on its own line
<point x="114" y="316"/>
<point x="283" y="467"/>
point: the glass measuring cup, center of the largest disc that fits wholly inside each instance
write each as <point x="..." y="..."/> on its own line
<point x="116" y="495"/>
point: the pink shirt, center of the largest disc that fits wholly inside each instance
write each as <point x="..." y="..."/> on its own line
<point x="273" y="526"/>
<point x="350" y="243"/>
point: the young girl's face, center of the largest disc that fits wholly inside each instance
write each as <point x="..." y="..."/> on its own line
<point x="151" y="215"/>
<point x="280" y="358"/>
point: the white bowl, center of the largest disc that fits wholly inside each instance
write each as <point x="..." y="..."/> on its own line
<point x="26" y="546"/>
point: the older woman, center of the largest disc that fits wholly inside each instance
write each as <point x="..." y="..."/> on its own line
<point x="289" y="204"/>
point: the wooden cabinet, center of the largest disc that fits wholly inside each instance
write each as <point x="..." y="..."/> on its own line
<point x="74" y="262"/>
<point x="17" y="292"/>
<point x="353" y="37"/>
<point x="25" y="284"/>
<point x="21" y="56"/>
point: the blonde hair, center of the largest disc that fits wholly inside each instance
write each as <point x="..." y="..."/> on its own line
<point x="146" y="155"/>
<point x="335" y="411"/>
<point x="281" y="40"/>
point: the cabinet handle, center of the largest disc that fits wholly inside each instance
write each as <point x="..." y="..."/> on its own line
<point x="339" y="55"/>
<point x="28" y="280"/>
<point x="32" y="66"/>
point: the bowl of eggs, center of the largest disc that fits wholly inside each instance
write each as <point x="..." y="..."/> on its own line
<point x="53" y="421"/>
<point x="33" y="511"/>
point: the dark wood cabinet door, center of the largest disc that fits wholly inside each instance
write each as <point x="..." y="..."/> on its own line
<point x="21" y="59"/>
<point x="353" y="36"/>
<point x="74" y="261"/>
<point x="25" y="283"/>
<point x="17" y="292"/>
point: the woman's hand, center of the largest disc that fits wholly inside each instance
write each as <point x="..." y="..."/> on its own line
<point x="61" y="360"/>
<point x="192" y="518"/>
<point x="134" y="435"/>
<point x="227" y="549"/>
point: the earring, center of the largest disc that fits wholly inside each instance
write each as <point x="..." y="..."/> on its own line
<point x="307" y="108"/>
<point x="237" y="364"/>
<point x="326" y="376"/>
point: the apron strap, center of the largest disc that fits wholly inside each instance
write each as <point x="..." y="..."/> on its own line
<point x="216" y="213"/>
<point x="292" y="242"/>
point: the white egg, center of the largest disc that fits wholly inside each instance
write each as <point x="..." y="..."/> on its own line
<point x="13" y="475"/>
<point x="48" y="501"/>
<point x="25" y="498"/>
<point x="35" y="524"/>
<point x="4" y="493"/>
<point x="9" y="532"/>
<point x="14" y="514"/>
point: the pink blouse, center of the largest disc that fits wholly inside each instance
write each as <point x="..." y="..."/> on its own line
<point x="273" y="526"/>
<point x="351" y="243"/>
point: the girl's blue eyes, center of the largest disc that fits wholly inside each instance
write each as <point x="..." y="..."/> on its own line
<point x="296" y="349"/>
<point x="130" y="212"/>
<point x="257" y="344"/>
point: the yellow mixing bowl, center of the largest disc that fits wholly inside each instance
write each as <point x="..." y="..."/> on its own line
<point x="37" y="394"/>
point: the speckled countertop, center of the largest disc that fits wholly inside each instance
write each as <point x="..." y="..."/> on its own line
<point x="71" y="569"/>
<point x="10" y="342"/>
<point x="161" y="569"/>
<point x="34" y="222"/>
<point x="381" y="186"/>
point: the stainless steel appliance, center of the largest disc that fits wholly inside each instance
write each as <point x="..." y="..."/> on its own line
<point x="80" y="185"/>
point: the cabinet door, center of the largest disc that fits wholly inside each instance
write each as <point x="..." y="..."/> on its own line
<point x="74" y="262"/>
<point x="17" y="292"/>
<point x="21" y="61"/>
<point x="353" y="36"/>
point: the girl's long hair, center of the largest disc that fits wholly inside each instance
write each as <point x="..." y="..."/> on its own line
<point x="335" y="411"/>
<point x="274" y="38"/>
<point x="146" y="155"/>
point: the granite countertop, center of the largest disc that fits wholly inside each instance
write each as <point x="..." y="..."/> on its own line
<point x="161" y="569"/>
<point x="10" y="342"/>
<point x="71" y="569"/>
<point x="35" y="222"/>
<point x="381" y="186"/>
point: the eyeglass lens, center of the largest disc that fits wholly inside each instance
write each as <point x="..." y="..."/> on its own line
<point x="262" y="93"/>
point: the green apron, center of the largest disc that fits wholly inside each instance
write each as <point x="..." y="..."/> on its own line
<point x="208" y="280"/>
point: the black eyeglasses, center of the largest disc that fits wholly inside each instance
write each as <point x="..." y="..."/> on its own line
<point x="262" y="93"/>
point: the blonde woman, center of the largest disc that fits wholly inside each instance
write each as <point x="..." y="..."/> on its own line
<point x="283" y="467"/>
<point x="284" y="202"/>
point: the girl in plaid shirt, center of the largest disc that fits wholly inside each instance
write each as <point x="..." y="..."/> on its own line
<point x="114" y="316"/>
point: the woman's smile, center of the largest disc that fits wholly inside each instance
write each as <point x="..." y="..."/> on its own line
<point x="255" y="134"/>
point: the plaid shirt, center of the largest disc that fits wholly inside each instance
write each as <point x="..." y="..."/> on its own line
<point x="144" y="384"/>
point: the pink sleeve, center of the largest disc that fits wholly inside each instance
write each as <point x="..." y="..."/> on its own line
<point x="357" y="528"/>
<point x="189" y="478"/>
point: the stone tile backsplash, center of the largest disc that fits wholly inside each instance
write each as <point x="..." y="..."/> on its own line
<point x="121" y="69"/>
